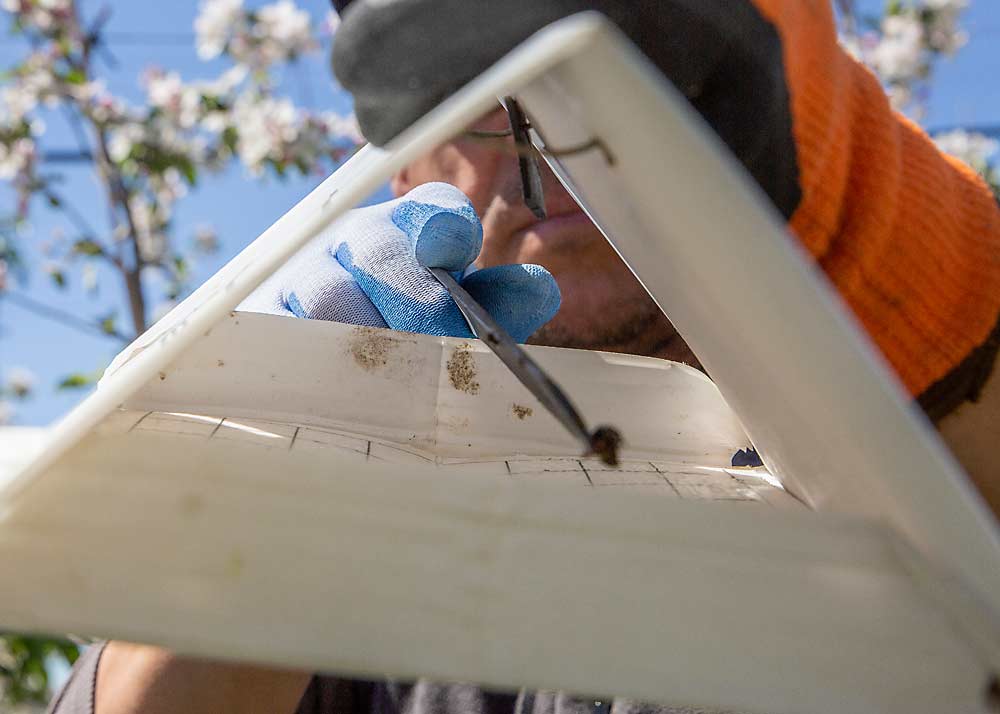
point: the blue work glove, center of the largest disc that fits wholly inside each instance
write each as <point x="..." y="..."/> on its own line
<point x="368" y="269"/>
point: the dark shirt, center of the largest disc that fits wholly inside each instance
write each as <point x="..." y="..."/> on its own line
<point x="335" y="695"/>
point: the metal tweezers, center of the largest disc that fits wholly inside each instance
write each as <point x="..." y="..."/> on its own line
<point x="603" y="442"/>
<point x="527" y="158"/>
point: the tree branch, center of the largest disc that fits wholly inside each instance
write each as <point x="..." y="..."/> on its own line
<point x="67" y="156"/>
<point x="63" y="317"/>
<point x="119" y="196"/>
<point x="76" y="124"/>
<point x="75" y="217"/>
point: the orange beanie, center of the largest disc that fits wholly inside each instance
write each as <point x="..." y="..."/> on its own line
<point x="909" y="236"/>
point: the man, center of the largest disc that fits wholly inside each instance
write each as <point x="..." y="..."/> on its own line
<point x="910" y="239"/>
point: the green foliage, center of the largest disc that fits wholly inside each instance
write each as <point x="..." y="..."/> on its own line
<point x="75" y="76"/>
<point x="87" y="246"/>
<point x="10" y="258"/>
<point x="150" y="158"/>
<point x="80" y="380"/>
<point x="107" y="324"/>
<point x="24" y="677"/>
<point x="230" y="139"/>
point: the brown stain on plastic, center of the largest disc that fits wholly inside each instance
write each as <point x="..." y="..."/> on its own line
<point x="370" y="349"/>
<point x="522" y="412"/>
<point x="462" y="372"/>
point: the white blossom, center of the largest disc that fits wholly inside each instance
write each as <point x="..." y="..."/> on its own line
<point x="149" y="225"/>
<point x="903" y="46"/>
<point x="278" y="32"/>
<point x="20" y="381"/>
<point x="853" y="45"/>
<point x="215" y="24"/>
<point x="33" y="82"/>
<point x="266" y="125"/>
<point x="45" y="15"/>
<point x="216" y="122"/>
<point x="206" y="239"/>
<point x="87" y="92"/>
<point x="163" y="133"/>
<point x="89" y="277"/>
<point x="101" y="105"/>
<point x="16" y="158"/>
<point x="167" y="188"/>
<point x="974" y="149"/>
<point x="16" y="101"/>
<point x="225" y="83"/>
<point x="122" y="138"/>
<point x="345" y="127"/>
<point x="51" y="267"/>
<point x="180" y="102"/>
<point x="900" y="52"/>
<point x="943" y="33"/>
<point x="284" y="23"/>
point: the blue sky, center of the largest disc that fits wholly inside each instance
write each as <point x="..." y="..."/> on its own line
<point x="966" y="93"/>
<point x="141" y="35"/>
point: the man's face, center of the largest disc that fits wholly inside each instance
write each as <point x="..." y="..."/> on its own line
<point x="603" y="306"/>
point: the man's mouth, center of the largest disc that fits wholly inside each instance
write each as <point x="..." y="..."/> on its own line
<point x="571" y="226"/>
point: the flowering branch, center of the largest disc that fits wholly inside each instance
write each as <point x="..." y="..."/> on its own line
<point x="147" y="157"/>
<point x="902" y="47"/>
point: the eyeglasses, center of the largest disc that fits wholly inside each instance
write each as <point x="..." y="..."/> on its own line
<point x="528" y="152"/>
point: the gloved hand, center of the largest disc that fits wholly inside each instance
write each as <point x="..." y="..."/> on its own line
<point x="400" y="58"/>
<point x="368" y="269"/>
